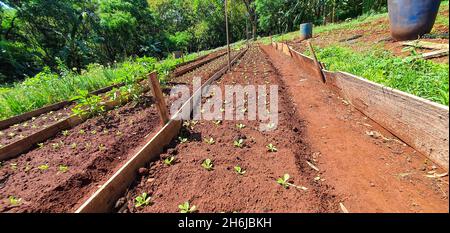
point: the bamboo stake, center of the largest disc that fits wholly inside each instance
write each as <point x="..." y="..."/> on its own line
<point x="318" y="65"/>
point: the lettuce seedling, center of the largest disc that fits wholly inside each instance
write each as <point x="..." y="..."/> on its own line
<point x="43" y="167"/>
<point x="65" y="133"/>
<point x="63" y="168"/>
<point x="182" y="140"/>
<point x="187" y="208"/>
<point x="239" y="143"/>
<point x="169" y="161"/>
<point x="240" y="126"/>
<point x="142" y="200"/>
<point x="14" y="200"/>
<point x="271" y="148"/>
<point x="239" y="170"/>
<point x="210" y="141"/>
<point x="284" y="181"/>
<point x="208" y="164"/>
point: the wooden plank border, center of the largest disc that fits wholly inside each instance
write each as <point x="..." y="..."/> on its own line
<point x="105" y="197"/>
<point x="188" y="69"/>
<point x="53" y="107"/>
<point x="420" y="123"/>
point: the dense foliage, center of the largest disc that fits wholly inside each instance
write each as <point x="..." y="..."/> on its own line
<point x="66" y="34"/>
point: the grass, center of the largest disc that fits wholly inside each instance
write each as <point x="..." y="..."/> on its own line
<point x="419" y="77"/>
<point x="422" y="78"/>
<point x="47" y="87"/>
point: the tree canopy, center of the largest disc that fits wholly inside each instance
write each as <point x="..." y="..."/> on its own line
<point x="70" y="34"/>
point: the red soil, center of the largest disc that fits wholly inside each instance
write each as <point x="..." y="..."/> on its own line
<point x="369" y="174"/>
<point x="223" y="190"/>
<point x="26" y="128"/>
<point x="93" y="151"/>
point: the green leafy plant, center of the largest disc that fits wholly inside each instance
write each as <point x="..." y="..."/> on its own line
<point x="239" y="170"/>
<point x="210" y="141"/>
<point x="240" y="126"/>
<point x="43" y="167"/>
<point x="65" y="133"/>
<point x="169" y="161"/>
<point x="271" y="148"/>
<point x="142" y="200"/>
<point x="14" y="200"/>
<point x="187" y="208"/>
<point x="63" y="168"/>
<point x="284" y="181"/>
<point x="239" y="143"/>
<point x="208" y="164"/>
<point x="182" y="140"/>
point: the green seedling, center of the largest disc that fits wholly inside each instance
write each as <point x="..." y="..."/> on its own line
<point x="240" y="126"/>
<point x="208" y="164"/>
<point x="65" y="133"/>
<point x="169" y="161"/>
<point x="182" y="140"/>
<point x="283" y="181"/>
<point x="142" y="200"/>
<point x="187" y="208"/>
<point x="210" y="141"/>
<point x="101" y="147"/>
<point x="73" y="145"/>
<point x="63" y="168"/>
<point x="239" y="170"/>
<point x="118" y="133"/>
<point x="14" y="200"/>
<point x="13" y="166"/>
<point x="271" y="148"/>
<point x="218" y="122"/>
<point x="27" y="168"/>
<point x="271" y="126"/>
<point x="81" y="131"/>
<point x="94" y="132"/>
<point x="239" y="143"/>
<point x="43" y="167"/>
<point x="56" y="146"/>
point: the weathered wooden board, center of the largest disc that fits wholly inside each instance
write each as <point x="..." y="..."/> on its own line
<point x="434" y="54"/>
<point x="422" y="124"/>
<point x="426" y="45"/>
<point x="27" y="143"/>
<point x="103" y="199"/>
<point x="53" y="107"/>
<point x="188" y="69"/>
<point x="28" y="115"/>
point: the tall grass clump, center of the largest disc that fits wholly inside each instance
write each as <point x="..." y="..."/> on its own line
<point x="48" y="87"/>
<point x="415" y="76"/>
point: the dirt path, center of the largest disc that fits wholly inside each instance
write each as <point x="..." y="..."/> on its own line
<point x="369" y="173"/>
<point x="222" y="189"/>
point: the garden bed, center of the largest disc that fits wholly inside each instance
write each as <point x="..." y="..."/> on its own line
<point x="222" y="189"/>
<point x="60" y="174"/>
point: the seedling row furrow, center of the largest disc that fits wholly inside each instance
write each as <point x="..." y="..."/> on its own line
<point x="61" y="172"/>
<point x="231" y="166"/>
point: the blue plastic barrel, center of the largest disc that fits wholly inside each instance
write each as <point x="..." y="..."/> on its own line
<point x="411" y="19"/>
<point x="305" y="31"/>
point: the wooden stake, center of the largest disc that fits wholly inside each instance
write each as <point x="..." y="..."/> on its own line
<point x="159" y="98"/>
<point x="318" y="65"/>
<point x="228" y="37"/>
